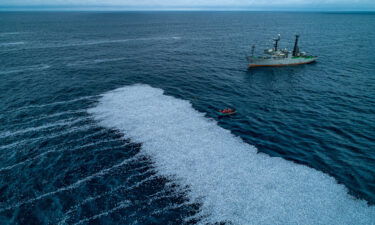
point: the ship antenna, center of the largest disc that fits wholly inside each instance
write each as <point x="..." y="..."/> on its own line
<point x="276" y="42"/>
<point x="252" y="50"/>
<point x="295" y="49"/>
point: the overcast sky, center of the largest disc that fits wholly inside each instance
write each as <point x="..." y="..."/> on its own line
<point x="195" y="4"/>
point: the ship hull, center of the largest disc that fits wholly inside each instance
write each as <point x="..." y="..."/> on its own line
<point x="291" y="61"/>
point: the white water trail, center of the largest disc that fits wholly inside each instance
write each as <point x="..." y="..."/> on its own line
<point x="229" y="177"/>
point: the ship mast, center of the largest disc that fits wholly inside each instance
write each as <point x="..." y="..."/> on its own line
<point x="295" y="49"/>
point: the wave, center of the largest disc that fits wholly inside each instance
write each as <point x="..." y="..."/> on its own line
<point x="125" y="187"/>
<point x="6" y="44"/>
<point x="39" y="118"/>
<point x="52" y="104"/>
<point x="41" y="155"/>
<point x="231" y="180"/>
<point x="25" y="69"/>
<point x="92" y="42"/>
<point x="3" y="34"/>
<point x="46" y="137"/>
<point x="99" y="42"/>
<point x="72" y="186"/>
<point x="120" y="205"/>
<point x="95" y="61"/>
<point x="61" y="123"/>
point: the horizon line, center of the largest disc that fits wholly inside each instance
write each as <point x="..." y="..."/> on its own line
<point x="130" y="8"/>
<point x="94" y="9"/>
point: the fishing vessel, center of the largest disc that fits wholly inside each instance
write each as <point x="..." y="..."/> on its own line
<point x="280" y="57"/>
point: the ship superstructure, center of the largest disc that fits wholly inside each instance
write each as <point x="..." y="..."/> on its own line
<point x="280" y="57"/>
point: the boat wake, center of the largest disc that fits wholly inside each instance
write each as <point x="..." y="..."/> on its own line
<point x="232" y="181"/>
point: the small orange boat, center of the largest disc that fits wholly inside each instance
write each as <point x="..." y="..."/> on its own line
<point x="227" y="111"/>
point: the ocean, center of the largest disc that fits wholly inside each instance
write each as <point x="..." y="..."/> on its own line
<point x="111" y="118"/>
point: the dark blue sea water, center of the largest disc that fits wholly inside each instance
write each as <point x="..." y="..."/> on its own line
<point x="60" y="164"/>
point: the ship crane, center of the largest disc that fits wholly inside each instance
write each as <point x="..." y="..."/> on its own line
<point x="252" y="50"/>
<point x="295" y="48"/>
<point x="276" y="40"/>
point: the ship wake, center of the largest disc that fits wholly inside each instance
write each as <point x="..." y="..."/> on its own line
<point x="231" y="180"/>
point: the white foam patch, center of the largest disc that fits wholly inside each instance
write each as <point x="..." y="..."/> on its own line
<point x="232" y="180"/>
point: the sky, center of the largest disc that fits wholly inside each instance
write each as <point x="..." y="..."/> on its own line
<point x="313" y="5"/>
